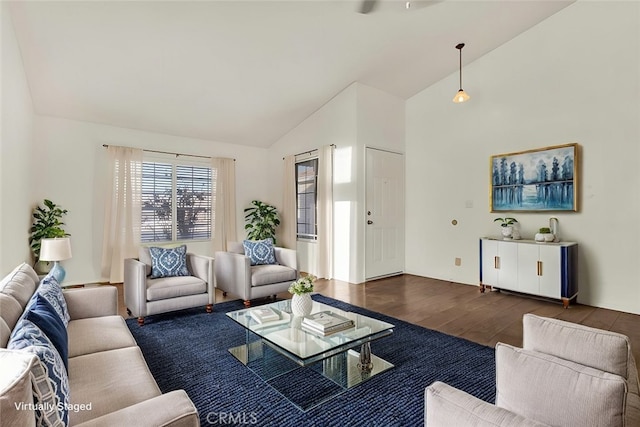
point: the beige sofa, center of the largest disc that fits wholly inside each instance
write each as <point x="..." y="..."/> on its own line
<point x="566" y="375"/>
<point x="109" y="381"/>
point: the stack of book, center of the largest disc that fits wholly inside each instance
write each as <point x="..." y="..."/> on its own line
<point x="263" y="315"/>
<point x="326" y="323"/>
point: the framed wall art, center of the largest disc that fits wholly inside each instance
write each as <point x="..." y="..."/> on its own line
<point x="544" y="179"/>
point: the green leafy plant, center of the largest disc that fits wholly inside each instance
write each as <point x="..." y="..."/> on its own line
<point x="47" y="224"/>
<point x="303" y="285"/>
<point x="505" y="222"/>
<point x="262" y="221"/>
<point x="544" y="230"/>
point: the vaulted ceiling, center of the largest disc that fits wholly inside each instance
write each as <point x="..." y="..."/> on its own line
<point x="245" y="72"/>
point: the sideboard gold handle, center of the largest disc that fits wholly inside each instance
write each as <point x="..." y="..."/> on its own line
<point x="539" y="268"/>
<point x="496" y="262"/>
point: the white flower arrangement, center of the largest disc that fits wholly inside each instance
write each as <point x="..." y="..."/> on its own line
<point x="303" y="285"/>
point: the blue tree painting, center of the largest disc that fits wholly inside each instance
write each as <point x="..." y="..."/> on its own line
<point x="536" y="180"/>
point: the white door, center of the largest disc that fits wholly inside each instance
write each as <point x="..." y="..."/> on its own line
<point x="384" y="213"/>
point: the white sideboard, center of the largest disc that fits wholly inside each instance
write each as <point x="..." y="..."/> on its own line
<point x="526" y="266"/>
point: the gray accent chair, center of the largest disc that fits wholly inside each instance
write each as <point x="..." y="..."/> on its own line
<point x="235" y="274"/>
<point x="144" y="296"/>
<point x="565" y="375"/>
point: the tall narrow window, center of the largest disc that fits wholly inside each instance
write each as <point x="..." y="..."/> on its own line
<point x="176" y="202"/>
<point x="306" y="199"/>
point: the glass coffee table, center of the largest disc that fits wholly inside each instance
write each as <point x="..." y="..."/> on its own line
<point x="305" y="367"/>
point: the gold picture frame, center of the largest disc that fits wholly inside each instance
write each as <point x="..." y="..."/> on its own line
<point x="538" y="180"/>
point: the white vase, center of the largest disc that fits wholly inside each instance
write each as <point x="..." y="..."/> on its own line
<point x="301" y="305"/>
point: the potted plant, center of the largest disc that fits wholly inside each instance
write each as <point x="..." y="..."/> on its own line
<point x="262" y="221"/>
<point x="47" y="224"/>
<point x="506" y="225"/>
<point x="544" y="234"/>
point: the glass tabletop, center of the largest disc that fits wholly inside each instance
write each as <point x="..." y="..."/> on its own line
<point x="286" y="333"/>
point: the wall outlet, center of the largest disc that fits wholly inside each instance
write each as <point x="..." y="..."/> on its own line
<point x="458" y="262"/>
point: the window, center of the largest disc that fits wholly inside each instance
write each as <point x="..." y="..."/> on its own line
<point x="306" y="199"/>
<point x="176" y="202"/>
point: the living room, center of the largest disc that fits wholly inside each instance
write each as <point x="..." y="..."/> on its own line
<point x="574" y="77"/>
<point x="523" y="103"/>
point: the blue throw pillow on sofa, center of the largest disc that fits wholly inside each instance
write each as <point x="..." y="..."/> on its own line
<point x="168" y="262"/>
<point x="50" y="381"/>
<point x="260" y="251"/>
<point x="50" y="289"/>
<point x="44" y="316"/>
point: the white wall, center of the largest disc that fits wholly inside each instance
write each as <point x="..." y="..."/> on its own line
<point x="16" y="148"/>
<point x="572" y="78"/>
<point x="333" y="123"/>
<point x="357" y="117"/>
<point x="74" y="176"/>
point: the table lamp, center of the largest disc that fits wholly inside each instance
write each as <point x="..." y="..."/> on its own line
<point x="56" y="250"/>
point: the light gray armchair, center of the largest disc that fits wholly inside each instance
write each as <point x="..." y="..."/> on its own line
<point x="565" y="375"/>
<point x="144" y="296"/>
<point x="235" y="274"/>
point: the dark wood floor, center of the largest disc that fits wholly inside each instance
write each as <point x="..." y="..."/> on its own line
<point x="463" y="311"/>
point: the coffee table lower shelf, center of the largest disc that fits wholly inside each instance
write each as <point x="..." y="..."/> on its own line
<point x="307" y="386"/>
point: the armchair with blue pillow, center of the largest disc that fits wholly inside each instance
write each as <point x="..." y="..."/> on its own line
<point x="167" y="279"/>
<point x="255" y="269"/>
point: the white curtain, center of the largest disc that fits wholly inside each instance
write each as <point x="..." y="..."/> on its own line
<point x="325" y="212"/>
<point x="288" y="218"/>
<point x="123" y="211"/>
<point x="224" y="203"/>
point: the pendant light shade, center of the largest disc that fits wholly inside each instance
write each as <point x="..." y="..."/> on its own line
<point x="461" y="95"/>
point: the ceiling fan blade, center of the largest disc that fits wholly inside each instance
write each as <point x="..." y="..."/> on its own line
<point x="368" y="6"/>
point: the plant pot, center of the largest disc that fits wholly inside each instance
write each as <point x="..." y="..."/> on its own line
<point x="507" y="232"/>
<point x="43" y="267"/>
<point x="549" y="237"/>
<point x="301" y="305"/>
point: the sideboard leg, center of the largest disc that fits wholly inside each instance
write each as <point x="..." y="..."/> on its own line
<point x="565" y="302"/>
<point x="481" y="288"/>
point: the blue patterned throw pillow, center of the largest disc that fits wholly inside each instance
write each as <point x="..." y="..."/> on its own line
<point x="49" y="376"/>
<point x="168" y="262"/>
<point x="260" y="251"/>
<point x="50" y="289"/>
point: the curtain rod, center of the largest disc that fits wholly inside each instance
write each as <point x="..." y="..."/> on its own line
<point x="310" y="151"/>
<point x="168" y="152"/>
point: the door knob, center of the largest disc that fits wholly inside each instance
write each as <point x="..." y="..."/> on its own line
<point x="369" y="222"/>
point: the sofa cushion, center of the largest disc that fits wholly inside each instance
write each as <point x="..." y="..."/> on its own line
<point x="109" y="381"/>
<point x="19" y="286"/>
<point x="168" y="262"/>
<point x="51" y="290"/>
<point x="447" y="406"/>
<point x="268" y="274"/>
<point x="547" y="389"/>
<point x="95" y="334"/>
<point x="16" y="387"/>
<point x="44" y="316"/>
<point x="50" y="380"/>
<point x="599" y="349"/>
<point x="172" y="287"/>
<point x="260" y="252"/>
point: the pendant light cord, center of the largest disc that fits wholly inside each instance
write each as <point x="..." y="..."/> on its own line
<point x="460" y="68"/>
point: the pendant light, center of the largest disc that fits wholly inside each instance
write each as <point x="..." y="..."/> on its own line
<point x="461" y="96"/>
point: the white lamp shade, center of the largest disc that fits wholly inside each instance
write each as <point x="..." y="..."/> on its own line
<point x="55" y="249"/>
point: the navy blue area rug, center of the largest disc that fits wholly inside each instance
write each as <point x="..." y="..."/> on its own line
<point x="189" y="350"/>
